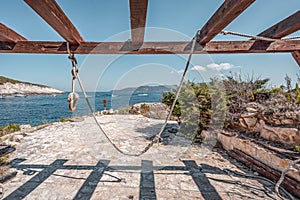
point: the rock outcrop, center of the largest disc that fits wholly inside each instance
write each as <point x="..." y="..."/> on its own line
<point x="151" y="110"/>
<point x="276" y="126"/>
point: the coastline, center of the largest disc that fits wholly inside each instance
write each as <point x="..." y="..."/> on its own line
<point x="26" y="89"/>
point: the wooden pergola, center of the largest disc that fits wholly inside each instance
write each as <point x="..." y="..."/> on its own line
<point x="50" y="11"/>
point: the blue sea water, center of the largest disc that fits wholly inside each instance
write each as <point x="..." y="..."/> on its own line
<point x="36" y="110"/>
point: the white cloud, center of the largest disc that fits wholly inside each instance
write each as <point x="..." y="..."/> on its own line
<point x="180" y="71"/>
<point x="198" y="68"/>
<point x="221" y="66"/>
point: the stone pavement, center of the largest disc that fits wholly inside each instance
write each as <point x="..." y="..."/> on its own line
<point x="73" y="160"/>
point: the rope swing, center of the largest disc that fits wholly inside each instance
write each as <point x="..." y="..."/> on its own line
<point x="73" y="97"/>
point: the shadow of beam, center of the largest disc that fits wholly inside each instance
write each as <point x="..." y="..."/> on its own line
<point x="147" y="179"/>
<point x="147" y="184"/>
<point x="35" y="181"/>
<point x="205" y="187"/>
<point x="87" y="189"/>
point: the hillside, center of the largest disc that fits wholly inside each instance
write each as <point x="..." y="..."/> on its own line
<point x="148" y="88"/>
<point x="11" y="87"/>
<point x="5" y="80"/>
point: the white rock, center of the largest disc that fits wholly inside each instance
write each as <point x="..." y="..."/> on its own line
<point x="26" y="89"/>
<point x="25" y="128"/>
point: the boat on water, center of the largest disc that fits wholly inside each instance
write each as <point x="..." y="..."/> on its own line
<point x="19" y="95"/>
<point x="143" y="95"/>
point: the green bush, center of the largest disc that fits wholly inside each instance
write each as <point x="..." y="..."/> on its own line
<point x="297" y="148"/>
<point x="9" y="129"/>
<point x="297" y="92"/>
<point x="192" y="109"/>
<point x="168" y="99"/>
<point x="67" y="119"/>
<point x="220" y="103"/>
<point x="144" y="108"/>
<point x="4" y="160"/>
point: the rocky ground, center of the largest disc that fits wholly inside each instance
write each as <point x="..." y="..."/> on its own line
<point x="74" y="160"/>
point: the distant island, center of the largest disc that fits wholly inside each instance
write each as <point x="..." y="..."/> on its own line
<point x="148" y="88"/>
<point x="11" y="87"/>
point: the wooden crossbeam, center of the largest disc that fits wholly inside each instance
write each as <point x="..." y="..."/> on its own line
<point x="138" y="13"/>
<point x="283" y="28"/>
<point x="213" y="47"/>
<point x="51" y="12"/>
<point x="8" y="35"/>
<point x="296" y="56"/>
<point x="226" y="13"/>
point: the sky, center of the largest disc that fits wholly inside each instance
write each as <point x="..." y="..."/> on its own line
<point x="167" y="20"/>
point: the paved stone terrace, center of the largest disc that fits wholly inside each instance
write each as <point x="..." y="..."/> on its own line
<point x="73" y="160"/>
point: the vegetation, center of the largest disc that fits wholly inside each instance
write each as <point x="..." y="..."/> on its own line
<point x="9" y="129"/>
<point x="297" y="148"/>
<point x="219" y="103"/>
<point x="8" y="80"/>
<point x="5" y="80"/>
<point x="67" y="119"/>
<point x="4" y="160"/>
<point x="145" y="108"/>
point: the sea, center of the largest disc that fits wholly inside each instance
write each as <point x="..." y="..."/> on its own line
<point x="41" y="109"/>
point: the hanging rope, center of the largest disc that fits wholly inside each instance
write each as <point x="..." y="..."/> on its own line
<point x="284" y="172"/>
<point x="73" y="96"/>
<point x="256" y="37"/>
<point x="158" y="135"/>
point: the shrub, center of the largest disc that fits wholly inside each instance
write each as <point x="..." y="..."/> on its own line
<point x="215" y="101"/>
<point x="168" y="99"/>
<point x="9" y="129"/>
<point x="297" y="148"/>
<point x="226" y="100"/>
<point x="297" y="92"/>
<point x="4" y="160"/>
<point x="145" y="108"/>
<point x="67" y="119"/>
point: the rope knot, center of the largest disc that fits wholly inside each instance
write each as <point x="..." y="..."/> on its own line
<point x="72" y="99"/>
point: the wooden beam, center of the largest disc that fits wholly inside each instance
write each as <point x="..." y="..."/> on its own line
<point x="283" y="28"/>
<point x="213" y="47"/>
<point x="296" y="56"/>
<point x="138" y="13"/>
<point x="226" y="13"/>
<point x="50" y="11"/>
<point x="8" y="35"/>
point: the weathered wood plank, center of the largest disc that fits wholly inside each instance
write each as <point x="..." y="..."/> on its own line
<point x="138" y="13"/>
<point x="213" y="47"/>
<point x="289" y="183"/>
<point x="9" y="35"/>
<point x="226" y="13"/>
<point x="51" y="12"/>
<point x="283" y="28"/>
<point x="296" y="56"/>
